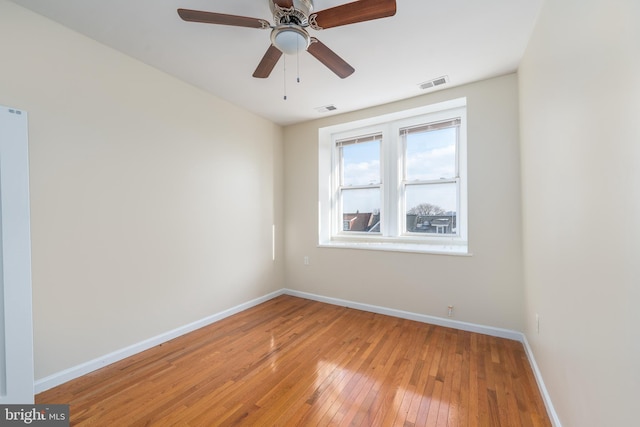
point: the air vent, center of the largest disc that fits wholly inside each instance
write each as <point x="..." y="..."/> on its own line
<point x="434" y="82"/>
<point x="326" y="108"/>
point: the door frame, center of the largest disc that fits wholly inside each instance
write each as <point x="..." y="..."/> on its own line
<point x="17" y="372"/>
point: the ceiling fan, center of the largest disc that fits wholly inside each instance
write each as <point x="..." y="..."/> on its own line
<point x="289" y="34"/>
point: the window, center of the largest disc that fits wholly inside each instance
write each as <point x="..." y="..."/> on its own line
<point x="359" y="183"/>
<point x="396" y="182"/>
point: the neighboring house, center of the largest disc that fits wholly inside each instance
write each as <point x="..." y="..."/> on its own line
<point x="445" y="223"/>
<point x="361" y="221"/>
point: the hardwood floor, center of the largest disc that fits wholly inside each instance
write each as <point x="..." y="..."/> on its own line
<point x="296" y="362"/>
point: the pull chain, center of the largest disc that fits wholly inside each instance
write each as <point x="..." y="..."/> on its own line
<point x="298" y="60"/>
<point x="284" y="82"/>
<point x="284" y="67"/>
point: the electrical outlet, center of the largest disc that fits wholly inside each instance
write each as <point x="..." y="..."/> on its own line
<point x="537" y="323"/>
<point x="306" y="260"/>
<point x="450" y="311"/>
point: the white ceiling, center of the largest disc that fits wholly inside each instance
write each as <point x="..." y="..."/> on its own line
<point x="467" y="40"/>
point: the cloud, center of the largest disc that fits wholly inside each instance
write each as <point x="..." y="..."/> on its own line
<point x="362" y="173"/>
<point x="432" y="164"/>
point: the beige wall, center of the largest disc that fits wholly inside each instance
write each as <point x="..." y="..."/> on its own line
<point x="580" y="105"/>
<point x="152" y="203"/>
<point x="485" y="288"/>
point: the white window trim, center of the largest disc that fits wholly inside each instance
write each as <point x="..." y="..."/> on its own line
<point x="389" y="240"/>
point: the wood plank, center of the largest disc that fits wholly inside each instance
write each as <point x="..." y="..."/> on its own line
<point x="291" y="361"/>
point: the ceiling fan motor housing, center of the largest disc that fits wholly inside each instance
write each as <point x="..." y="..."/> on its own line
<point x="297" y="14"/>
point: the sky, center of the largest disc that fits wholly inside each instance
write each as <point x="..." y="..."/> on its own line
<point x="429" y="156"/>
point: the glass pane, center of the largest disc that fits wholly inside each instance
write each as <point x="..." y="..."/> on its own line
<point x="431" y="208"/>
<point x="361" y="163"/>
<point x="431" y="154"/>
<point x="361" y="210"/>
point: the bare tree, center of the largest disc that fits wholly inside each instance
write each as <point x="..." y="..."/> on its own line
<point x="426" y="209"/>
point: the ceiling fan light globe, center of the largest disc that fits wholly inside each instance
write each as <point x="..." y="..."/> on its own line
<point x="290" y="40"/>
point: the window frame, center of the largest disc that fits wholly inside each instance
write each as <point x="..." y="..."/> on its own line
<point x="393" y="235"/>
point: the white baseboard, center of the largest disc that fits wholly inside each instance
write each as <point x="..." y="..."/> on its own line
<point x="449" y="323"/>
<point x="92" y="365"/>
<point x="543" y="389"/>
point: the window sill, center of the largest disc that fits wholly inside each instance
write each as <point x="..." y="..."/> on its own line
<point x="425" y="248"/>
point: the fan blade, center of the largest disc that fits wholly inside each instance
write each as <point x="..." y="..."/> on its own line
<point x="329" y="58"/>
<point x="351" y="13"/>
<point x="221" y="18"/>
<point x="284" y="3"/>
<point x="269" y="60"/>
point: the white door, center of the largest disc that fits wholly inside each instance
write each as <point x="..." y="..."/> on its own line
<point x="16" y="330"/>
